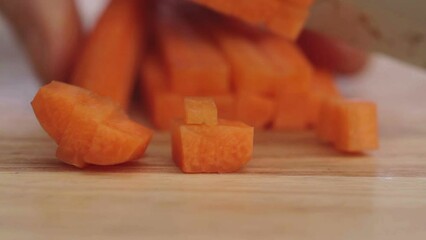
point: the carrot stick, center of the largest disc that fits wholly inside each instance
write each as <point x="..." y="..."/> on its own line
<point x="195" y="65"/>
<point x="108" y="62"/>
<point x="323" y="86"/>
<point x="164" y="105"/>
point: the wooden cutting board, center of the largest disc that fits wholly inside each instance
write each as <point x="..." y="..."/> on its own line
<point x="294" y="188"/>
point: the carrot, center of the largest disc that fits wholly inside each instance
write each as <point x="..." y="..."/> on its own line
<point x="55" y="119"/>
<point x="108" y="62"/>
<point x="163" y="105"/>
<point x="254" y="110"/>
<point x="276" y="15"/>
<point x="195" y="65"/>
<point x="201" y="148"/>
<point x="89" y="129"/>
<point x="292" y="111"/>
<point x="251" y="69"/>
<point x="326" y="128"/>
<point x="294" y="68"/>
<point x="323" y="86"/>
<point x="357" y="126"/>
<point x="200" y="110"/>
<point x="226" y="106"/>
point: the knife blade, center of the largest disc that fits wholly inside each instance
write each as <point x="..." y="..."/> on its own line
<point x="393" y="27"/>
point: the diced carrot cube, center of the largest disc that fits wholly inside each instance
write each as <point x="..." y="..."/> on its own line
<point x="357" y="126"/>
<point x="226" y="147"/>
<point x="200" y="111"/>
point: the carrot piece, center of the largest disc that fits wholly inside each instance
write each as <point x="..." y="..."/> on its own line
<point x="251" y="69"/>
<point x="254" y="110"/>
<point x="277" y="15"/>
<point x="108" y="62"/>
<point x="93" y="130"/>
<point x="195" y="65"/>
<point x="226" y="106"/>
<point x="200" y="110"/>
<point x="164" y="105"/>
<point x="294" y="68"/>
<point x="357" y="126"/>
<point x="61" y="101"/>
<point x="223" y="148"/>
<point x="117" y="141"/>
<point x="292" y="111"/>
<point x="323" y="86"/>
<point x="326" y="128"/>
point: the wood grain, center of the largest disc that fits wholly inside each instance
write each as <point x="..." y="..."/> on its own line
<point x="294" y="188"/>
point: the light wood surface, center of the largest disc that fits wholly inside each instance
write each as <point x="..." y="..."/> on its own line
<point x="294" y="188"/>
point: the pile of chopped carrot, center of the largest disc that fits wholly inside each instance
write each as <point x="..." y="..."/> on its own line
<point x="241" y="54"/>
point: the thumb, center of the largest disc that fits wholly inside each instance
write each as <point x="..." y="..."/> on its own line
<point x="50" y="31"/>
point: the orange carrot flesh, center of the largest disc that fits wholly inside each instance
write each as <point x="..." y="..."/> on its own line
<point x="250" y="68"/>
<point x="55" y="118"/>
<point x="226" y="147"/>
<point x="226" y="106"/>
<point x="78" y="135"/>
<point x="254" y="110"/>
<point x="326" y="128"/>
<point x="323" y="86"/>
<point x="96" y="130"/>
<point x="357" y="126"/>
<point x="118" y="140"/>
<point x="200" y="111"/>
<point x="277" y="15"/>
<point x="294" y="68"/>
<point x="195" y="65"/>
<point x="108" y="62"/>
<point x="292" y="111"/>
<point x="164" y="105"/>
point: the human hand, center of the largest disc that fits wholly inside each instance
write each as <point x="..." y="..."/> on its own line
<point x="51" y="33"/>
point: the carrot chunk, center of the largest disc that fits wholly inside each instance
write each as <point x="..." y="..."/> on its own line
<point x="292" y="111"/>
<point x="55" y="118"/>
<point x="254" y="110"/>
<point x="226" y="147"/>
<point x="326" y="128"/>
<point x="93" y="130"/>
<point x="277" y="15"/>
<point x="164" y="105"/>
<point x="323" y="86"/>
<point x="202" y="148"/>
<point x="200" y="111"/>
<point x="251" y="69"/>
<point x="195" y="65"/>
<point x="357" y="126"/>
<point x="108" y="62"/>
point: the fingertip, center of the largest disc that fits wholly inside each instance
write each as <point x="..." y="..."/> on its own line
<point x="332" y="53"/>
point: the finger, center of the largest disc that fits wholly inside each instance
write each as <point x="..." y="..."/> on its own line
<point x="49" y="30"/>
<point x="332" y="53"/>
